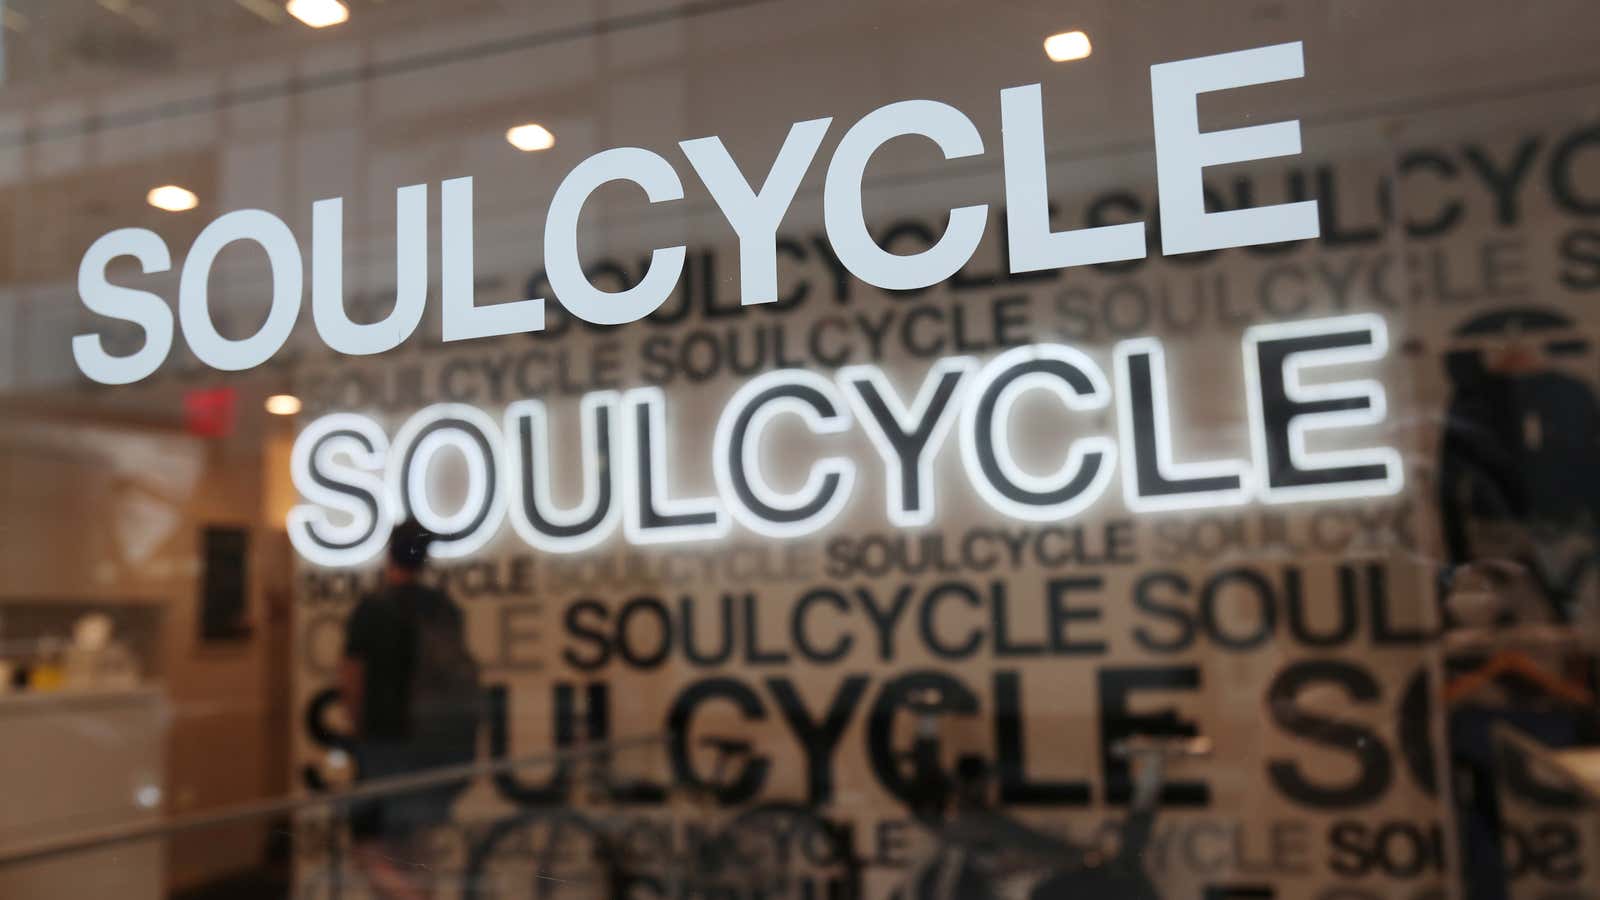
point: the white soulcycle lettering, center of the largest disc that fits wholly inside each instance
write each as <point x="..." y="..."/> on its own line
<point x="628" y="473"/>
<point x="534" y="513"/>
<point x="1284" y="410"/>
<point x="846" y="221"/>
<point x="563" y="266"/>
<point x="470" y="432"/>
<point x="194" y="292"/>
<point x="1033" y="247"/>
<point x="142" y="308"/>
<point x="411" y="276"/>
<point x="908" y="440"/>
<point x="352" y="489"/>
<point x="736" y="454"/>
<point x="1078" y="383"/>
<point x="1182" y="152"/>
<point x="462" y="318"/>
<point x="755" y="216"/>
<point x="1155" y="480"/>
<point x="650" y="514"/>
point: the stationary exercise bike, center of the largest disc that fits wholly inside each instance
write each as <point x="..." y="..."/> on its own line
<point x="978" y="846"/>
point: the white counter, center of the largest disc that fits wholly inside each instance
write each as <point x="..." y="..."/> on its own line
<point x="74" y="761"/>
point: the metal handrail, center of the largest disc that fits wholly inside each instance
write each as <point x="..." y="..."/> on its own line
<point x="17" y="854"/>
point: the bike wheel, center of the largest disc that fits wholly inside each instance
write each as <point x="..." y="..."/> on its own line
<point x="540" y="854"/>
<point x="781" y="851"/>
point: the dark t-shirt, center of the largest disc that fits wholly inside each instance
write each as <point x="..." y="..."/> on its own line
<point x="382" y="636"/>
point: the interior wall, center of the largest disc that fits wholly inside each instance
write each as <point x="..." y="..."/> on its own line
<point x="116" y="517"/>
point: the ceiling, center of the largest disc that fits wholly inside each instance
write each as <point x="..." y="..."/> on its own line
<point x="55" y="43"/>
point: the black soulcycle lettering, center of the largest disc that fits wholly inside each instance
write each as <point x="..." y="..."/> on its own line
<point x="1241" y="608"/>
<point x="1397" y="849"/>
<point x="1118" y="721"/>
<point x="1362" y="744"/>
<point x="983" y="549"/>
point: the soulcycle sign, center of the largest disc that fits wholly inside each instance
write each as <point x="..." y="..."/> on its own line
<point x="346" y="463"/>
<point x="356" y="480"/>
<point x="754" y="214"/>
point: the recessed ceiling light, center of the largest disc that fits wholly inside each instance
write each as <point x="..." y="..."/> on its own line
<point x="319" y="13"/>
<point x="283" y="404"/>
<point x="1067" y="46"/>
<point x="172" y="198"/>
<point x="530" y="137"/>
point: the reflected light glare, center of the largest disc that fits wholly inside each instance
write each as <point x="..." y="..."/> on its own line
<point x="530" y="137"/>
<point x="318" y="13"/>
<point x="172" y="198"/>
<point x="283" y="404"/>
<point x="147" y="796"/>
<point x="1067" y="46"/>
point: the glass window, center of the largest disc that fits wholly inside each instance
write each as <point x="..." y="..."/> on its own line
<point x="755" y="449"/>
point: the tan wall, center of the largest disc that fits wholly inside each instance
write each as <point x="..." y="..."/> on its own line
<point x="114" y="515"/>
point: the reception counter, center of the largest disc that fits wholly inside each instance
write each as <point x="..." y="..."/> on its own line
<point x="80" y="761"/>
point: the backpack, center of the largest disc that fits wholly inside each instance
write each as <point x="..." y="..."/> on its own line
<point x="446" y="687"/>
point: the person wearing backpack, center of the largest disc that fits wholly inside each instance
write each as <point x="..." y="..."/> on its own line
<point x="412" y="693"/>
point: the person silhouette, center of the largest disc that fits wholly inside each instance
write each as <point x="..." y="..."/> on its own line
<point x="411" y="691"/>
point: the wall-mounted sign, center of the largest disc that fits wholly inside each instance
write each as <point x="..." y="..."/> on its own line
<point x="345" y="462"/>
